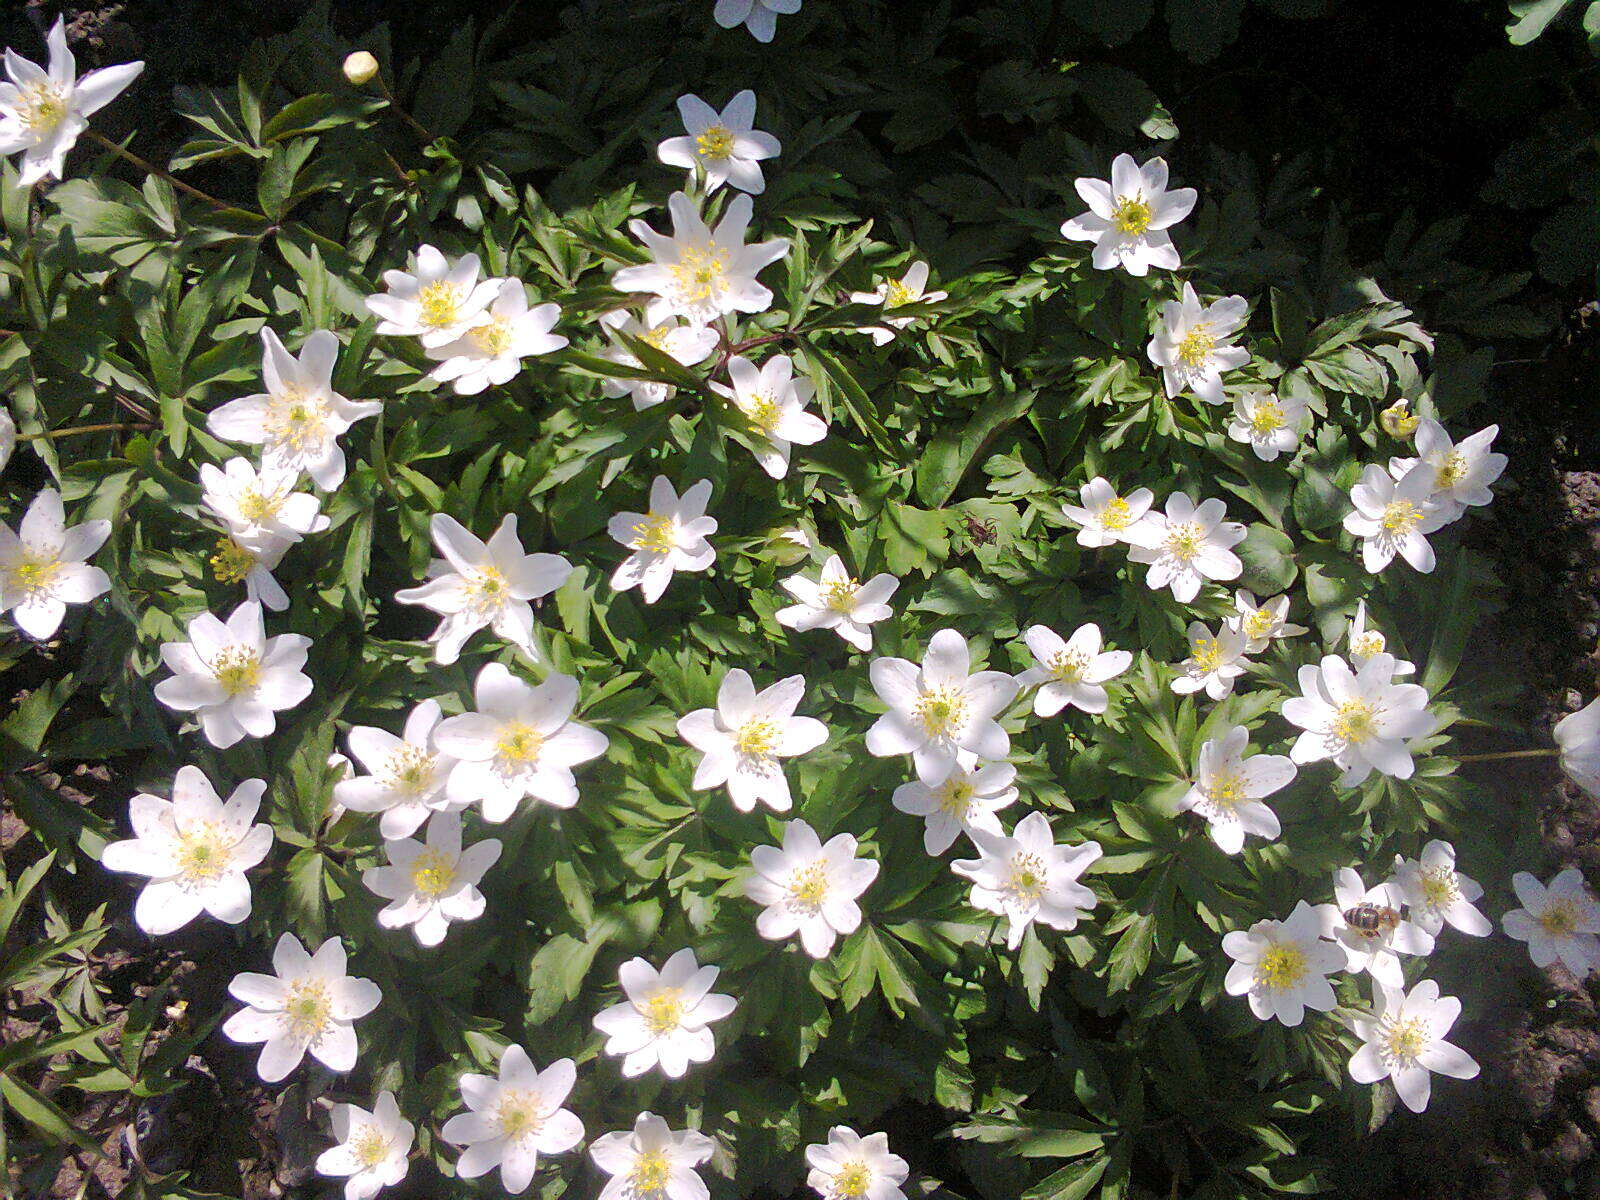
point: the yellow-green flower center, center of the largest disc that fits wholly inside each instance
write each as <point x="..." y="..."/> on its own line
<point x="808" y="885"/>
<point x="1400" y="517"/>
<point x="1184" y="540"/>
<point x="232" y="563"/>
<point x="762" y="411"/>
<point x="1451" y="471"/>
<point x="432" y="874"/>
<point x="897" y="293"/>
<point x="1260" y="623"/>
<point x="1404" y="1039"/>
<point x="1028" y="877"/>
<point x="1283" y="965"/>
<point x="518" y="745"/>
<point x="439" y="304"/>
<point x="369" y="1146"/>
<point x="852" y="1180"/>
<point x="257" y="506"/>
<point x="1206" y="654"/>
<point x="1132" y="214"/>
<point x="34" y="573"/>
<point x="237" y="669"/>
<point x="1355" y="721"/>
<point x="955" y="798"/>
<point x="650" y="1173"/>
<point x="663" y="1012"/>
<point x="656" y="534"/>
<point x="307" y="1009"/>
<point x="1225" y="790"/>
<point x="42" y="106"/>
<point x="409" y="768"/>
<point x="840" y="595"/>
<point x="298" y="420"/>
<point x="715" y="142"/>
<point x="493" y="338"/>
<point x="1068" y="666"/>
<point x="758" y="738"/>
<point x="700" y="273"/>
<point x="1368" y="643"/>
<point x="518" y="1115"/>
<point x="202" y="853"/>
<point x="1196" y="346"/>
<point x="1117" y="514"/>
<point x="1559" y="918"/>
<point x="942" y="711"/>
<point x="1266" y="417"/>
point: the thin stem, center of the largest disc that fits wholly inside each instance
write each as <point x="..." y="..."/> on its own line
<point x="151" y="168"/>
<point x="394" y="107"/>
<point x="105" y="427"/>
<point x="1542" y="753"/>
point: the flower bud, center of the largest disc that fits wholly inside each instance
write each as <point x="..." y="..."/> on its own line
<point x="8" y="437"/>
<point x="1398" y="420"/>
<point x="786" y="547"/>
<point x="360" y="67"/>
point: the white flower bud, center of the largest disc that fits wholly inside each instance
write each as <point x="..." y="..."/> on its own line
<point x="360" y="67"/>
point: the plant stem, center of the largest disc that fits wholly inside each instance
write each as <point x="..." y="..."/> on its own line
<point x="394" y="107"/>
<point x="1499" y="754"/>
<point x="151" y="168"/>
<point x="105" y="427"/>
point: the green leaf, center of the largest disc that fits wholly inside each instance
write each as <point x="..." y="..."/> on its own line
<point x="1268" y="557"/>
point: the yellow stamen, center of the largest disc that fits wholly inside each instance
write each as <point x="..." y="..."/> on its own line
<point x="409" y="768"/>
<point x="757" y="739"/>
<point x="1354" y="721"/>
<point x="1196" y="346"/>
<point x="1282" y="966"/>
<point x="942" y="711"/>
<point x="650" y="1173"/>
<point x="1068" y="666"/>
<point x="1559" y="918"/>
<point x="955" y="798"/>
<point x="439" y="304"/>
<point x="307" y="1009"/>
<point x="1206" y="654"/>
<point x="493" y="338"/>
<point x="237" y="669"/>
<point x="897" y="293"/>
<point x="369" y="1146"/>
<point x="432" y="874"/>
<point x="700" y="273"/>
<point x="852" y="1180"/>
<point x="663" y="1012"/>
<point x="1403" y="1040"/>
<point x="840" y="595"/>
<point x="1439" y="887"/>
<point x="1117" y="514"/>
<point x="1260" y="623"/>
<point x="1368" y="643"/>
<point x="298" y="420"/>
<point x="519" y="744"/>
<point x="715" y="142"/>
<point x="1266" y="417"/>
<point x="518" y="1115"/>
<point x="762" y="411"/>
<point x="202" y="854"/>
<point x="1028" y="877"/>
<point x="1132" y="214"/>
<point x="808" y="885"/>
<point x="232" y="563"/>
<point x="42" y="107"/>
<point x="656" y="534"/>
<point x="1451" y="471"/>
<point x="1184" y="540"/>
<point x="1400" y="517"/>
<point x="34" y="573"/>
<point x="1225" y="790"/>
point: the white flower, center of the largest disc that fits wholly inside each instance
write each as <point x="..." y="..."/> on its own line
<point x="438" y="303"/>
<point x="1577" y="738"/>
<point x="1228" y="789"/>
<point x="1436" y="894"/>
<point x="298" y="419"/>
<point x="834" y="600"/>
<point x="1361" y="720"/>
<point x="773" y="404"/>
<point x="42" y="111"/>
<point x="1186" y="545"/>
<point x="699" y="274"/>
<point x="477" y="584"/>
<point x="1363" y="642"/>
<point x="1129" y="216"/>
<point x="808" y="887"/>
<point x="520" y="741"/>
<point x="1395" y="517"/>
<point x="670" y="537"/>
<point x="1262" y="623"/>
<point x="405" y="778"/>
<point x="1107" y="518"/>
<point x="687" y="344"/>
<point x="851" y="1167"/>
<point x="760" y="17"/>
<point x="1072" y="672"/>
<point x="967" y="800"/>
<point x="8" y="436"/>
<point x="1270" y="425"/>
<point x="252" y="564"/>
<point x="429" y="886"/>
<point x="1282" y="966"/>
<point x="665" y="1021"/>
<point x="1027" y="877"/>
<point x="1215" y="662"/>
<point x="743" y="737"/>
<point x="491" y="352"/>
<point x="44" y="565"/>
<point x="651" y="1162"/>
<point x="232" y="676"/>
<point x="307" y="1003"/>
<point x="195" y="849"/>
<point x="1192" y="347"/>
<point x="373" y="1147"/>
<point x="262" y="516"/>
<point x="940" y="708"/>
<point x="1404" y="1041"/>
<point x="896" y="293"/>
<point x="726" y="145"/>
<point x="1558" y="922"/>
<point x="513" y="1119"/>
<point x="1367" y="923"/>
<point x="1461" y="471"/>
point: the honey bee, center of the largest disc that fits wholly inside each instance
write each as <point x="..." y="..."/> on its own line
<point x="1372" y="920"/>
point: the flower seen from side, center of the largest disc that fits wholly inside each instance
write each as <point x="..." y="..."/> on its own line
<point x="1577" y="738"/>
<point x="1436" y="894"/>
<point x="1215" y="662"/>
<point x="911" y="288"/>
<point x="1262" y="623"/>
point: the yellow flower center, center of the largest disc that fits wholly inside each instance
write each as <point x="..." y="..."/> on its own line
<point x="808" y="885"/>
<point x="35" y="573"/>
<point x="439" y="304"/>
<point x="897" y="293"/>
<point x="1439" y="887"/>
<point x="1451" y="471"/>
<point x="1206" y="654"/>
<point x="1354" y="721"/>
<point x="202" y="854"/>
<point x="1068" y="666"/>
<point x="43" y="106"/>
<point x="1266" y="417"/>
<point x="716" y="142"/>
<point x="237" y="669"/>
<point x="1184" y="540"/>
<point x="955" y="798"/>
<point x="1282" y="966"/>
<point x="369" y="1146"/>
<point x="1028" y="877"/>
<point x="518" y="1115"/>
<point x="942" y="711"/>
<point x="650" y="1173"/>
<point x="762" y="411"/>
<point x="487" y="589"/>
<point x="307" y="1009"/>
<point x="1132" y="214"/>
<point x="493" y="338"/>
<point x="519" y="745"/>
<point x="1368" y="643"/>
<point x="1225" y="790"/>
<point x="298" y="420"/>
<point x="1117" y="514"/>
<point x="232" y="563"/>
<point x="656" y="534"/>
<point x="1400" y="517"/>
<point x="840" y="595"/>
<point x="432" y="874"/>
<point x="257" y="506"/>
<point x="1559" y="918"/>
<point x="1196" y="346"/>
<point x="1260" y="623"/>
<point x="663" y="1012"/>
<point x="852" y="1180"/>
<point x="1404" y="1039"/>
<point x="757" y="739"/>
<point x="409" y="768"/>
<point x="700" y="273"/>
